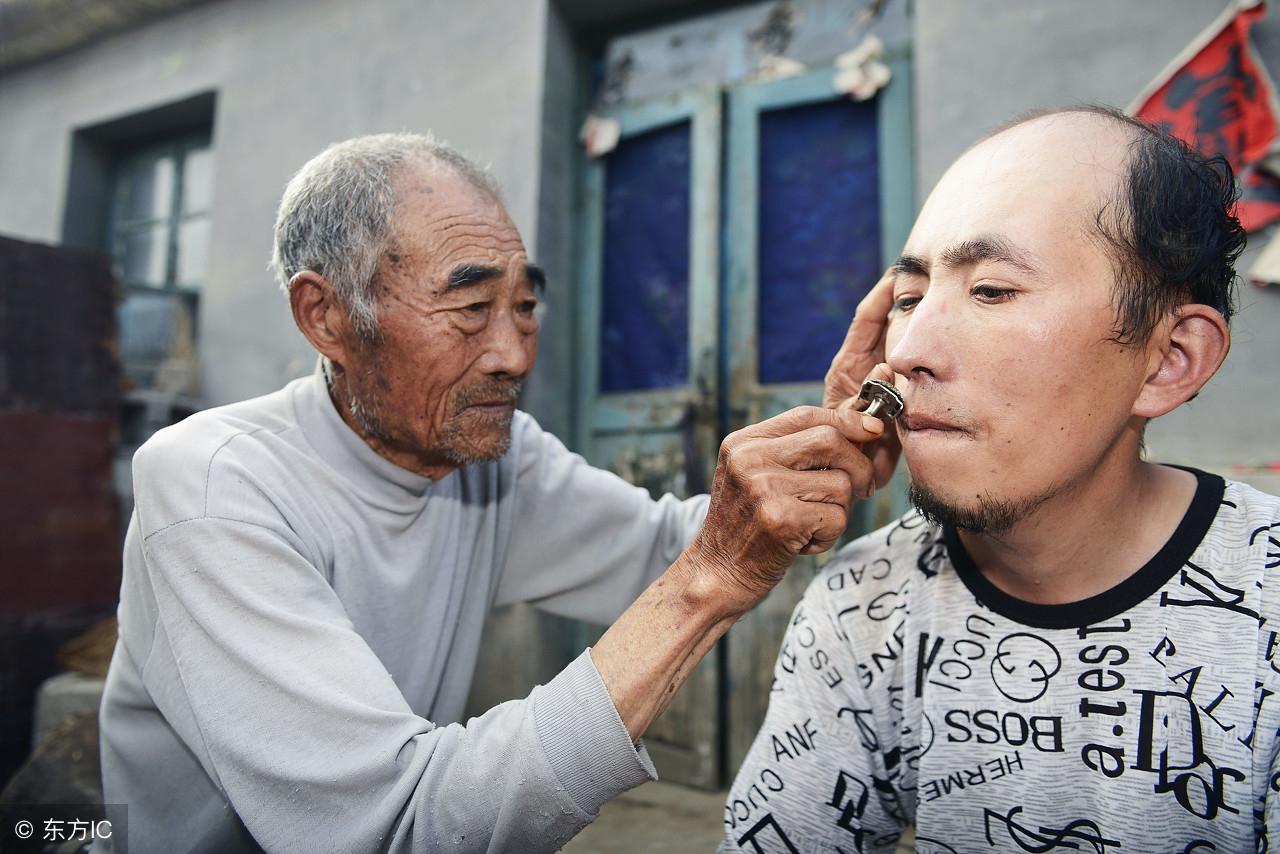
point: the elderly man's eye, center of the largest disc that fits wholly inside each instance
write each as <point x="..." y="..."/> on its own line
<point x="476" y="308"/>
<point x="527" y="307"/>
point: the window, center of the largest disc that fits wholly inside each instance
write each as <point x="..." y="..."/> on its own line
<point x="159" y="239"/>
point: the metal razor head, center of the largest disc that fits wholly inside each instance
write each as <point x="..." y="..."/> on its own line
<point x="884" y="401"/>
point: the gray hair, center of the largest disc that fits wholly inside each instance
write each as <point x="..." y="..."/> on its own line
<point x="335" y="216"/>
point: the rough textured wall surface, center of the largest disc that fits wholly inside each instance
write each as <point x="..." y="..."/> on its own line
<point x="38" y="29"/>
<point x="981" y="62"/>
<point x="58" y="397"/>
<point x="59" y="553"/>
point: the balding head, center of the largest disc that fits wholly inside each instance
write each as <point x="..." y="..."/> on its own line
<point x="1163" y="211"/>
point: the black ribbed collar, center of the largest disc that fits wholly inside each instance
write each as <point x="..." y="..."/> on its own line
<point x="1120" y="598"/>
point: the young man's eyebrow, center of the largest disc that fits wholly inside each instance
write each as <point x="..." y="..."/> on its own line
<point x="910" y="265"/>
<point x="988" y="247"/>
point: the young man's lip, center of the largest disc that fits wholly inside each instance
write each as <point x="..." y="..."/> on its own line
<point x="916" y="421"/>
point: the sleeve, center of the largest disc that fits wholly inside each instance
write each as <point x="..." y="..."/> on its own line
<point x="1264" y="739"/>
<point x="584" y="542"/>
<point x="257" y="667"/>
<point x="1268" y="812"/>
<point x="814" y="779"/>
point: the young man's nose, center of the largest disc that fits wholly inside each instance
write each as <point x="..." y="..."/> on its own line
<point x="925" y="338"/>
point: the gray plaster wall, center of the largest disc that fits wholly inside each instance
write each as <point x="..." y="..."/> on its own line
<point x="290" y="77"/>
<point x="980" y="62"/>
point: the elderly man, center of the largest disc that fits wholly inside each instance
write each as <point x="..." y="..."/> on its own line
<point x="306" y="574"/>
<point x="1066" y="647"/>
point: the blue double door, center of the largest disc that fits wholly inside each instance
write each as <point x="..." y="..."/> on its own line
<point x="726" y="241"/>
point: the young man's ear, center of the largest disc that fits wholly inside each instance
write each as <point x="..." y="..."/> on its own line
<point x="1185" y="352"/>
<point x="319" y="315"/>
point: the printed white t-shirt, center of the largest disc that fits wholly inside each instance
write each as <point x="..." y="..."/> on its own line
<point x="910" y="690"/>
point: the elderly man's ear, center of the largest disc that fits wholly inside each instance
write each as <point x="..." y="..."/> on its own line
<point x="1184" y="352"/>
<point x="320" y="316"/>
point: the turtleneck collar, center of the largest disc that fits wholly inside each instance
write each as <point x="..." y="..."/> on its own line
<point x="343" y="449"/>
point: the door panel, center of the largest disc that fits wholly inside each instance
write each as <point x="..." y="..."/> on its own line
<point x="818" y="201"/>
<point x="818" y="244"/>
<point x="648" y="338"/>
<point x="645" y="299"/>
<point x="673" y="355"/>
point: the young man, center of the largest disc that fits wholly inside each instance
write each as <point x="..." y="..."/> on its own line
<point x="1065" y="646"/>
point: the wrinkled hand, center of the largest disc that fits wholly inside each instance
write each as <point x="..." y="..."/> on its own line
<point x="782" y="488"/>
<point x="861" y="357"/>
<point x="863" y="346"/>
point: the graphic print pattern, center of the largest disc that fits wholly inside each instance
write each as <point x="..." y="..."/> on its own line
<point x="901" y="697"/>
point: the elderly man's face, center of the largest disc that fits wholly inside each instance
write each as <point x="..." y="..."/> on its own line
<point x="1000" y="333"/>
<point x="437" y="385"/>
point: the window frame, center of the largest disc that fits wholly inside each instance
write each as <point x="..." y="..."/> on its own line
<point x="179" y="147"/>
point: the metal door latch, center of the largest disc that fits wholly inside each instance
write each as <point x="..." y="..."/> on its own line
<point x="884" y="401"/>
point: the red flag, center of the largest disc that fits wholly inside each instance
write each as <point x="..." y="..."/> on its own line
<point x="1259" y="198"/>
<point x="1217" y="96"/>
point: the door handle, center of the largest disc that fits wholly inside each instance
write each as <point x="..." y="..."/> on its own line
<point x="746" y="413"/>
<point x="695" y="478"/>
<point x="700" y="411"/>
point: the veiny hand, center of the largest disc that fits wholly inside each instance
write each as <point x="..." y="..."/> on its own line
<point x="861" y="357"/>
<point x="782" y="488"/>
<point x="863" y="346"/>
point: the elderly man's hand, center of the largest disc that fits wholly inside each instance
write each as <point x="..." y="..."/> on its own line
<point x="782" y="488"/>
<point x="861" y="357"/>
<point x="863" y="346"/>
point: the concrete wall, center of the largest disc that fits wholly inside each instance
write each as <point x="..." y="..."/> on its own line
<point x="983" y="61"/>
<point x="290" y="77"/>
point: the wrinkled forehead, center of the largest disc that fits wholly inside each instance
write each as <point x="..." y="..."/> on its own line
<point x="439" y="211"/>
<point x="1044" y="180"/>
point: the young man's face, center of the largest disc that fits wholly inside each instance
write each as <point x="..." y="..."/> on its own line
<point x="1001" y="330"/>
<point x="436" y="387"/>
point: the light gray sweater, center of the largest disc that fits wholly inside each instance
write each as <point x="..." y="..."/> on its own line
<point x="299" y="624"/>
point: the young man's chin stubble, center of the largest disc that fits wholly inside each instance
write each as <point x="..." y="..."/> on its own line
<point x="989" y="515"/>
